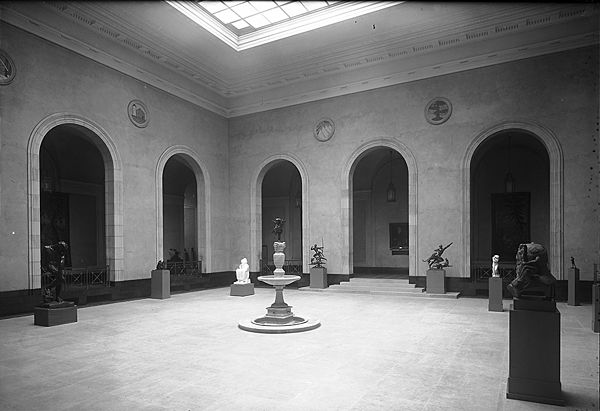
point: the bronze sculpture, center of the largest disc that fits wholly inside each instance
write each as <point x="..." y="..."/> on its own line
<point x="278" y="227"/>
<point x="318" y="257"/>
<point x="54" y="266"/>
<point x="533" y="273"/>
<point x="436" y="261"/>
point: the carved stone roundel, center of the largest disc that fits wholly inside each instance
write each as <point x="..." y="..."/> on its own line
<point x="438" y="111"/>
<point x="7" y="68"/>
<point x="324" y="129"/>
<point x="138" y="113"/>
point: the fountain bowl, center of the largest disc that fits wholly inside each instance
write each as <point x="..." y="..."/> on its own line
<point x="278" y="281"/>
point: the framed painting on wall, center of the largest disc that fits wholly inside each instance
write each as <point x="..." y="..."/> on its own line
<point x="399" y="238"/>
<point x="510" y="223"/>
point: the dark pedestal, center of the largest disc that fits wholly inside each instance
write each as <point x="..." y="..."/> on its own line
<point x="596" y="307"/>
<point x="495" y="294"/>
<point x="242" y="290"/>
<point x="573" y="285"/>
<point x="318" y="277"/>
<point x="534" y="353"/>
<point x="436" y="281"/>
<point x="161" y="284"/>
<point x="49" y="317"/>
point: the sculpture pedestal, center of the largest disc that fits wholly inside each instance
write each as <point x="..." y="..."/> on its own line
<point x="49" y="317"/>
<point x="495" y="294"/>
<point x="318" y="277"/>
<point x="436" y="281"/>
<point x="534" y="352"/>
<point x="573" y="285"/>
<point x="242" y="290"/>
<point x="596" y="307"/>
<point x="161" y="284"/>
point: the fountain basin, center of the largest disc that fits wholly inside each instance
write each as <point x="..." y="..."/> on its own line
<point x="278" y="280"/>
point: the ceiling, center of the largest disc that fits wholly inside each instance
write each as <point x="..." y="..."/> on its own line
<point x="154" y="42"/>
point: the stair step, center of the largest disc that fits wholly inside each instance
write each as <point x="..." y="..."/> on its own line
<point x="419" y="294"/>
<point x="379" y="280"/>
<point x="347" y="286"/>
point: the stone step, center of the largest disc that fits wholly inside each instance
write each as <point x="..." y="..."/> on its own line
<point x="377" y="287"/>
<point x="396" y="284"/>
<point x="400" y="293"/>
<point x="379" y="280"/>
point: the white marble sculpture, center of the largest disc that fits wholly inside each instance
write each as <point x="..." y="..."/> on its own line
<point x="243" y="272"/>
<point x="495" y="260"/>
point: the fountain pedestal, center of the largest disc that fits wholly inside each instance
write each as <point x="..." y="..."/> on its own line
<point x="279" y="318"/>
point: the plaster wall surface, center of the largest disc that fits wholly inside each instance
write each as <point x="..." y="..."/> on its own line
<point x="556" y="92"/>
<point x="51" y="79"/>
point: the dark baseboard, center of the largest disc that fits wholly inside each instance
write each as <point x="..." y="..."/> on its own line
<point x="23" y="301"/>
<point x="468" y="288"/>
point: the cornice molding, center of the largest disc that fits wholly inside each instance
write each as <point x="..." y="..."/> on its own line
<point x="264" y="90"/>
<point x="53" y="35"/>
<point x="425" y="72"/>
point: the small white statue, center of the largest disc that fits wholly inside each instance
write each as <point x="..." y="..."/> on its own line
<point x="495" y="260"/>
<point x="243" y="272"/>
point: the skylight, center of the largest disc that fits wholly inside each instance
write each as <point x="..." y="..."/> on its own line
<point x="246" y="24"/>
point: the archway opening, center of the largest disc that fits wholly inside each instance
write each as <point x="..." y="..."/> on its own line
<point x="510" y="199"/>
<point x="281" y="192"/>
<point x="380" y="215"/>
<point x="72" y="204"/>
<point x="181" y="211"/>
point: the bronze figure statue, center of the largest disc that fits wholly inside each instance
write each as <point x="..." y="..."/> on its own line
<point x="532" y="273"/>
<point x="54" y="266"/>
<point x="278" y="227"/>
<point x="436" y="261"/>
<point x="318" y="258"/>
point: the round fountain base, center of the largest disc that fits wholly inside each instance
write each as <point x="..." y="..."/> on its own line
<point x="267" y="326"/>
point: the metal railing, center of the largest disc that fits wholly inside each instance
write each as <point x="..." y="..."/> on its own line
<point x="291" y="267"/>
<point x="184" y="268"/>
<point x="481" y="271"/>
<point x="81" y="277"/>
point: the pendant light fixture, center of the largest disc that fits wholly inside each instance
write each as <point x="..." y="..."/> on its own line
<point x="391" y="190"/>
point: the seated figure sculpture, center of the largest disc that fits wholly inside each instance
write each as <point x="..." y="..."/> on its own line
<point x="242" y="273"/>
<point x="532" y="272"/>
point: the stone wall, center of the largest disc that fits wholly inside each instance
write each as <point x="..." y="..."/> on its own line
<point x="552" y="96"/>
<point x="51" y="81"/>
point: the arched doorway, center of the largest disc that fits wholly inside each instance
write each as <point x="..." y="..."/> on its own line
<point x="281" y="195"/>
<point x="347" y="206"/>
<point x="72" y="196"/>
<point x="380" y="214"/>
<point x="183" y="209"/>
<point x="106" y="244"/>
<point x="180" y="230"/>
<point x="547" y="153"/>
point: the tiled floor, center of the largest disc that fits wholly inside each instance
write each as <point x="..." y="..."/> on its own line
<point x="371" y="353"/>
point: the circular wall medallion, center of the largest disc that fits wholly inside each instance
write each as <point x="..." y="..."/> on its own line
<point x="438" y="110"/>
<point x="324" y="129"/>
<point x="138" y="113"/>
<point x="7" y="68"/>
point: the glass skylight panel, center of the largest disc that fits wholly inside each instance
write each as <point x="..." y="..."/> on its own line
<point x="244" y="9"/>
<point x="294" y="8"/>
<point x="232" y="3"/>
<point x="258" y="20"/>
<point x="275" y="15"/>
<point x="240" y="24"/>
<point x="227" y="16"/>
<point x="263" y="5"/>
<point x="213" y="6"/>
<point x="314" y="5"/>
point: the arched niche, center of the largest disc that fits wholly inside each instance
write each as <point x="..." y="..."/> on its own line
<point x="347" y="208"/>
<point x="556" y="201"/>
<point x="256" y="222"/>
<point x="192" y="160"/>
<point x="113" y="196"/>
